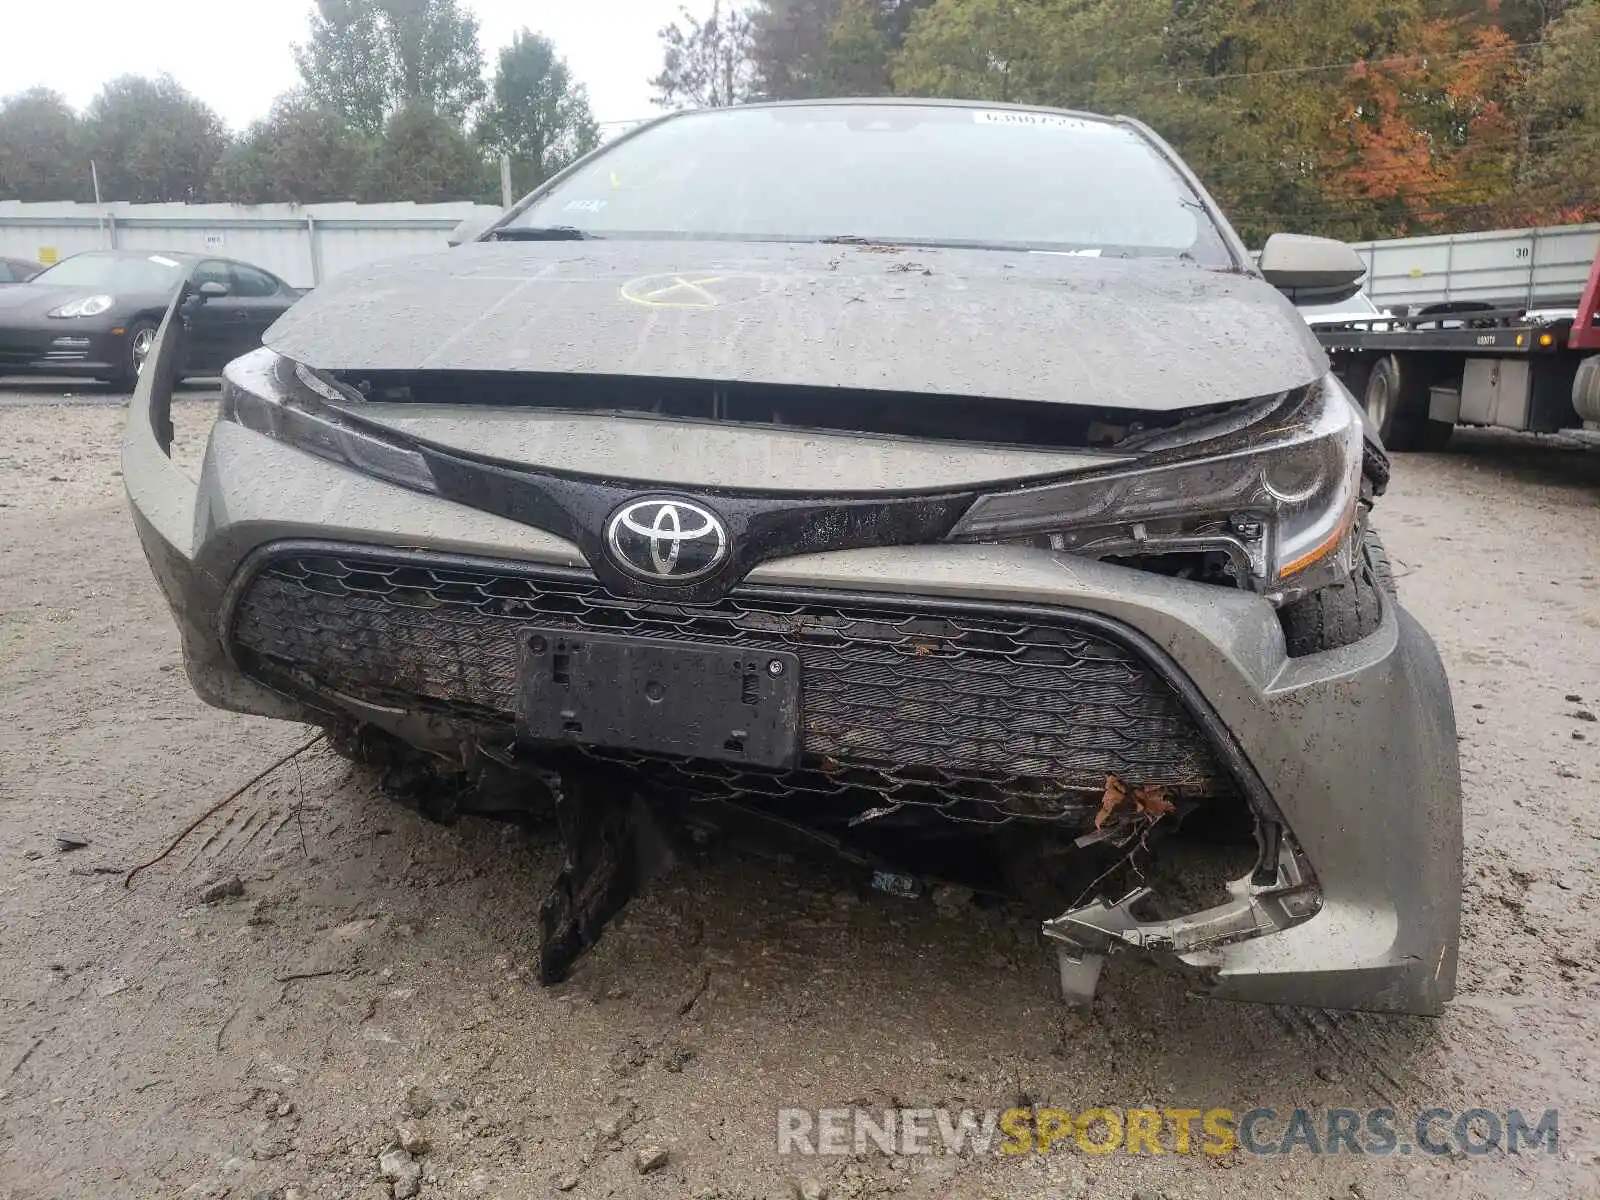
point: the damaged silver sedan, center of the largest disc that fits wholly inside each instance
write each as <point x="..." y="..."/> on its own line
<point x="937" y="484"/>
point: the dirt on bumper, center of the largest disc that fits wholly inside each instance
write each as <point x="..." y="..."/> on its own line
<point x="1351" y="753"/>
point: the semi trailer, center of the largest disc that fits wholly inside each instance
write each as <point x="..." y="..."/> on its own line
<point x="1494" y="329"/>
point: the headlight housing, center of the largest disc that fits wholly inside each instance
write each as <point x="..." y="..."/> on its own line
<point x="1278" y="498"/>
<point x="286" y="402"/>
<point x="87" y="306"/>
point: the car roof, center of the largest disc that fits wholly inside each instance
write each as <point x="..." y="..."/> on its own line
<point x="184" y="258"/>
<point x="180" y="256"/>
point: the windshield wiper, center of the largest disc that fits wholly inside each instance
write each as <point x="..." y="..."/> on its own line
<point x="549" y="233"/>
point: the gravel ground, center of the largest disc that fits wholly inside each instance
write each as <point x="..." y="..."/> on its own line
<point x="375" y="970"/>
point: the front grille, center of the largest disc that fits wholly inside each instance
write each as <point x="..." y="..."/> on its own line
<point x="930" y="706"/>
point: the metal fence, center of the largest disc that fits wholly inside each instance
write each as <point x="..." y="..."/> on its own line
<point x="306" y="246"/>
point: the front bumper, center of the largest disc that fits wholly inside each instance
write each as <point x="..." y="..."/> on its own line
<point x="68" y="348"/>
<point x="1355" y="748"/>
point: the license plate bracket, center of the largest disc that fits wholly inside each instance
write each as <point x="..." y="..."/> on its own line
<point x="692" y="699"/>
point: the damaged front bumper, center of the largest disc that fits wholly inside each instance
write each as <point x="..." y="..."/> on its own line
<point x="1348" y="758"/>
<point x="1278" y="895"/>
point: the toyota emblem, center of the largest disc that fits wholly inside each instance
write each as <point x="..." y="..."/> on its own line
<point x="667" y="541"/>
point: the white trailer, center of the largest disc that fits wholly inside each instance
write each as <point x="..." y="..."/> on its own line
<point x="1500" y="269"/>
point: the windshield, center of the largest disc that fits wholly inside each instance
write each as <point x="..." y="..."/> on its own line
<point x="115" y="273"/>
<point x="928" y="174"/>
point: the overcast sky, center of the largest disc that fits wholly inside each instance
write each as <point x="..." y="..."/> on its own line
<point x="235" y="54"/>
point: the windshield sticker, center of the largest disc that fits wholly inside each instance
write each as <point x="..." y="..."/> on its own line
<point x="588" y="206"/>
<point x="1032" y="120"/>
<point x="163" y="262"/>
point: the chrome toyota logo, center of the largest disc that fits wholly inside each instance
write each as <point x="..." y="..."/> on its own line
<point x="667" y="541"/>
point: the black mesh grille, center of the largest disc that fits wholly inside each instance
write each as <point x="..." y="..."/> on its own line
<point x="917" y="706"/>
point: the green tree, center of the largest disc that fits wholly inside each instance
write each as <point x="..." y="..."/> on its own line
<point x="537" y="113"/>
<point x="347" y="66"/>
<point x="1094" y="54"/>
<point x="42" y="152"/>
<point x="788" y="39"/>
<point x="300" y="153"/>
<point x="895" y="17"/>
<point x="368" y="59"/>
<point x="152" y="141"/>
<point x="1561" y="108"/>
<point x="707" y="64"/>
<point x="855" y="57"/>
<point x="809" y="48"/>
<point x="424" y="157"/>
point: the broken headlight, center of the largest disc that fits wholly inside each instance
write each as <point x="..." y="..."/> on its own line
<point x="295" y="405"/>
<point x="1277" y="500"/>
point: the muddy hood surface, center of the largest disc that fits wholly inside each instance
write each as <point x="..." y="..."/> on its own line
<point x="1147" y="334"/>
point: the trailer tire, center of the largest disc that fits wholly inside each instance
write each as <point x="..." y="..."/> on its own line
<point x="1396" y="400"/>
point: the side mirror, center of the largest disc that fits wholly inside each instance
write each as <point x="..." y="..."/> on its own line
<point x="1312" y="269"/>
<point x="472" y="228"/>
<point x="211" y="290"/>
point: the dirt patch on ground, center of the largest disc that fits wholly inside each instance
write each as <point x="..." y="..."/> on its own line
<point x="373" y="971"/>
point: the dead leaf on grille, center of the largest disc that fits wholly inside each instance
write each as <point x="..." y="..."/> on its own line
<point x="922" y="649"/>
<point x="1149" y="800"/>
<point x="1116" y="792"/>
<point x="1152" y="800"/>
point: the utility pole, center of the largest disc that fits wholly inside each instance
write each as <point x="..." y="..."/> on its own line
<point x="505" y="181"/>
<point x="99" y="212"/>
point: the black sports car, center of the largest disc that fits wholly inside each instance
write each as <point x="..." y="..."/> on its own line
<point x="95" y="315"/>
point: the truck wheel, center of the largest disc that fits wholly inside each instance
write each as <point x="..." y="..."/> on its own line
<point x="1586" y="389"/>
<point x="1382" y="397"/>
<point x="1342" y="613"/>
<point x="1396" y="401"/>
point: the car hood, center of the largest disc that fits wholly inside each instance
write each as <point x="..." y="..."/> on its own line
<point x="34" y="299"/>
<point x="31" y="300"/>
<point x="1151" y="334"/>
